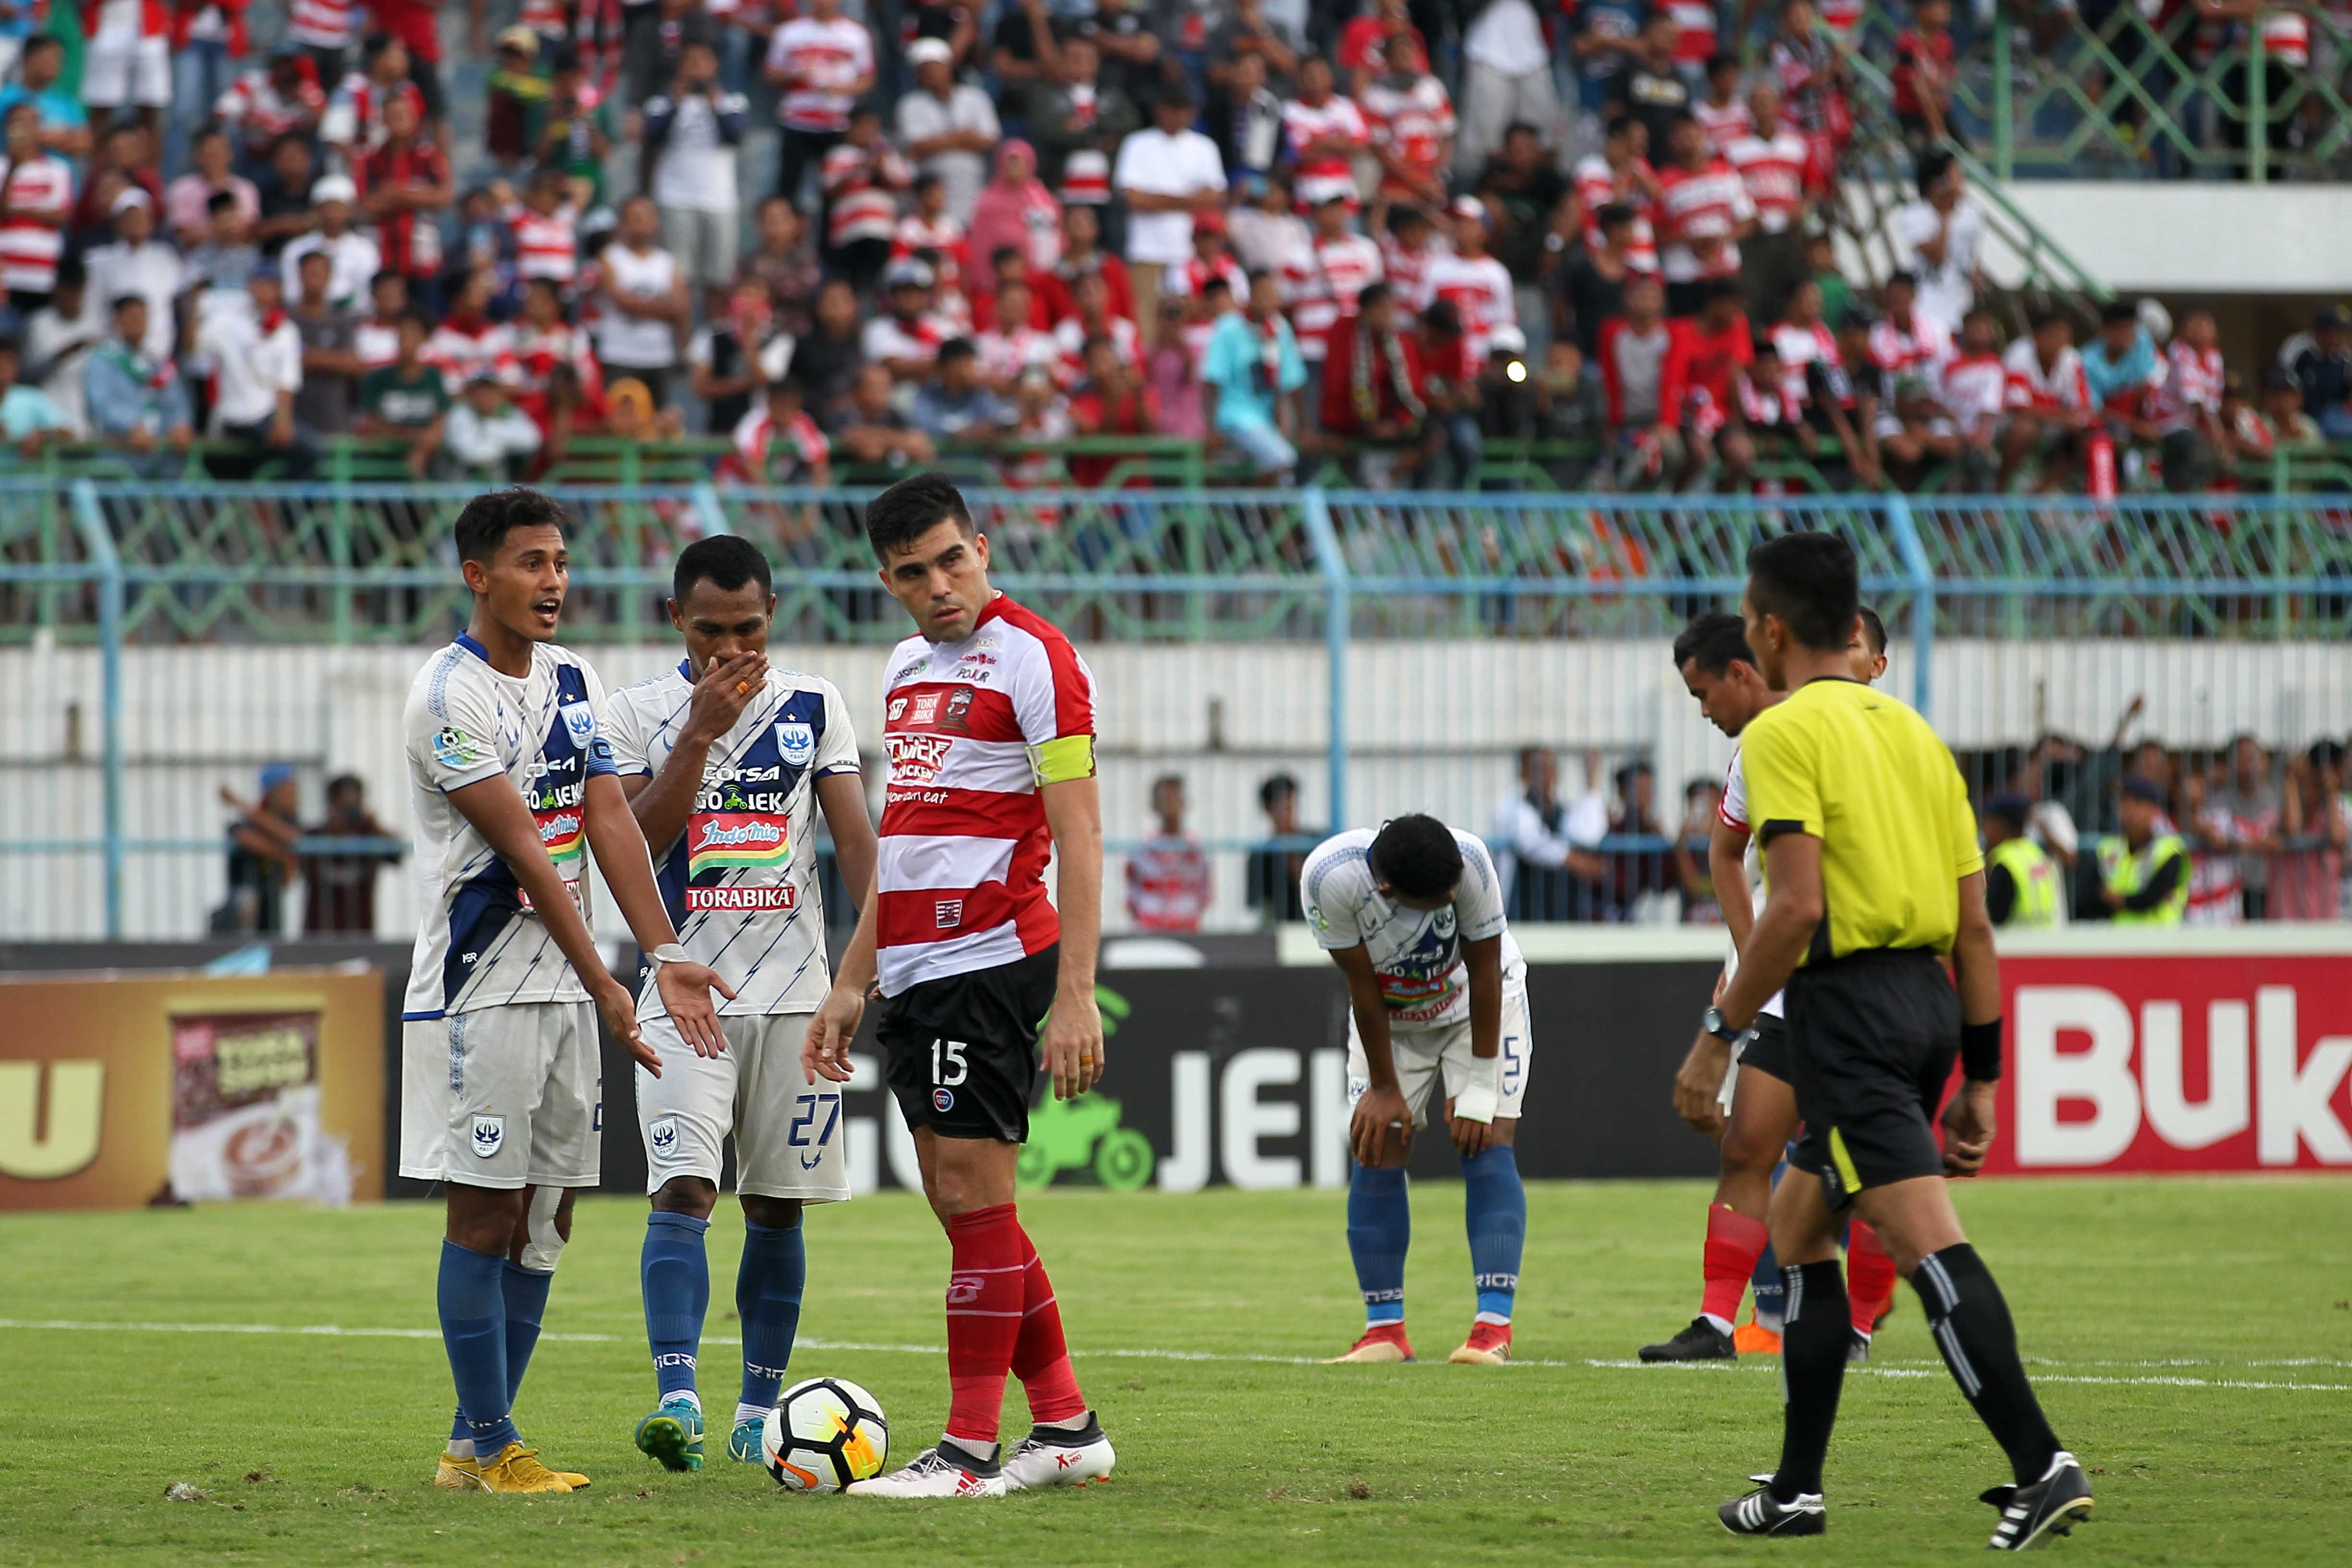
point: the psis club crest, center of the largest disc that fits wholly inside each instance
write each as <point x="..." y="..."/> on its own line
<point x="489" y="1136"/>
<point x="795" y="743"/>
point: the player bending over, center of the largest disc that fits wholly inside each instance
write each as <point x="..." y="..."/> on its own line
<point x="1413" y="917"/>
<point x="1753" y="1114"/>
<point x="727" y="761"/>
<point x="501" y="1086"/>
<point x="990" y="723"/>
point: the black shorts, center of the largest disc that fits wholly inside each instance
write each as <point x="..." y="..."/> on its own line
<point x="1766" y="1050"/>
<point x="1871" y="1040"/>
<point x="960" y="1053"/>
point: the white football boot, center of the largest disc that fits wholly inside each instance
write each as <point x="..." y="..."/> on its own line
<point x="944" y="1471"/>
<point x="1060" y="1457"/>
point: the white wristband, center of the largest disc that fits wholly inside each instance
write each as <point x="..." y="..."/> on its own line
<point x="668" y="953"/>
<point x="1477" y="1100"/>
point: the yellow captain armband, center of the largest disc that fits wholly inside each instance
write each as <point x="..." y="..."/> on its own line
<point x="1061" y="759"/>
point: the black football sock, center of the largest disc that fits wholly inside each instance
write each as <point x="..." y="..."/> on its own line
<point x="1971" y="1325"/>
<point x="1812" y="1370"/>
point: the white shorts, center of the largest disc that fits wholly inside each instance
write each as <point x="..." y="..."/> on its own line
<point x="1422" y="1054"/>
<point x="789" y="1142"/>
<point x="503" y="1097"/>
<point x="118" y="71"/>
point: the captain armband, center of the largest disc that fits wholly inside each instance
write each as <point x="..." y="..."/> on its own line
<point x="1065" y="758"/>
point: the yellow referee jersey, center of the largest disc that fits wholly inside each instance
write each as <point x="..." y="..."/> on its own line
<point x="1864" y="775"/>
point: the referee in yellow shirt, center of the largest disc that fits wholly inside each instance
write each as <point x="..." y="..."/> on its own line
<point x="1872" y="874"/>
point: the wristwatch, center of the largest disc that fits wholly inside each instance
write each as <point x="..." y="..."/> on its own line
<point x="1712" y="1022"/>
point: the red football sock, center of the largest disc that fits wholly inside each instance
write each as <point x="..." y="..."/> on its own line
<point x="985" y="1292"/>
<point x="1869" y="1275"/>
<point x="1734" y="1243"/>
<point x="1040" y="1358"/>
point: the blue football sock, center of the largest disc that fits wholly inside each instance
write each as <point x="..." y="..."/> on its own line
<point x="526" y="1294"/>
<point x="1379" y="1230"/>
<point x="768" y="1300"/>
<point x="1494" y="1207"/>
<point x="1766" y="1282"/>
<point x="474" y="1331"/>
<point x="676" y="1277"/>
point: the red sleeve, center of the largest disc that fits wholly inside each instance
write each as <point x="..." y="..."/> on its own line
<point x="1054" y="295"/>
<point x="1338" y="373"/>
<point x="1674" y="381"/>
<point x="1610" y="329"/>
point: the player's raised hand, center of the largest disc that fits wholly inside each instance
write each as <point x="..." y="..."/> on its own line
<point x="686" y="991"/>
<point x="1074" y="1044"/>
<point x="825" y="1053"/>
<point x="1699" y="1081"/>
<point x="620" y="1011"/>
<point x="1380" y="1130"/>
<point x="1967" y="1129"/>
<point x="725" y="690"/>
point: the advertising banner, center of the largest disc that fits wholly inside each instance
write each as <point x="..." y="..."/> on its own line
<point x="120" y="1089"/>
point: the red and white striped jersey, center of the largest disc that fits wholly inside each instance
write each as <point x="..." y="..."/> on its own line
<point x="862" y="186"/>
<point x="1801" y="348"/>
<point x="2060" y="387"/>
<point x="547" y="245"/>
<point x="823" y="62"/>
<point x="974" y="729"/>
<point x="1168" y="883"/>
<point x="1695" y="41"/>
<point x="1319" y="286"/>
<point x="1408" y="271"/>
<point x="1006" y="356"/>
<point x="254" y="104"/>
<point x="1413" y="124"/>
<point x="1596" y="185"/>
<point x="376" y="342"/>
<point x="30" y="251"/>
<point x="1086" y="178"/>
<point x="773" y="454"/>
<point x="1327" y="174"/>
<point x="552" y="18"/>
<point x="537" y="353"/>
<point x="1913" y="348"/>
<point x="1188" y="279"/>
<point x="354" y="117"/>
<point x="1842" y="16"/>
<point x="888" y="338"/>
<point x="464" y="354"/>
<point x="1773" y="170"/>
<point x="1071" y="335"/>
<point x="1975" y="390"/>
<point x="951" y="250"/>
<point x="1480" y="287"/>
<point x="2191" y="386"/>
<point x="321" y="24"/>
<point x="2286" y="37"/>
<point x="1697" y="207"/>
<point x="1724" y="123"/>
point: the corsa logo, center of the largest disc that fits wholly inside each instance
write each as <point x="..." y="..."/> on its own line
<point x="42" y="1141"/>
<point x="916" y="759"/>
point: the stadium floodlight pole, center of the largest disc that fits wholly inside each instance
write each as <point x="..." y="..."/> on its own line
<point x="1337" y="611"/>
<point x="101" y="546"/>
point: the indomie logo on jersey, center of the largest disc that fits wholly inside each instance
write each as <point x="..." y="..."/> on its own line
<point x="735" y="838"/>
<point x="916" y="759"/>
<point x="559" y="832"/>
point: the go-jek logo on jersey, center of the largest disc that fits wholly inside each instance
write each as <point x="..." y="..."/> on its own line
<point x="918" y="759"/>
<point x="735" y="838"/>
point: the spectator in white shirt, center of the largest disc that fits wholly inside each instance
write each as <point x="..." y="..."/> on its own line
<point x="687" y="162"/>
<point x="484" y="434"/>
<point x="645" y="301"/>
<point x="948" y="128"/>
<point x="255" y="361"/>
<point x="1165" y="174"/>
<point x="58" y="338"/>
<point x="138" y="263"/>
<point x="1543" y="847"/>
<point x="355" y="257"/>
<point x="1943" y="231"/>
<point x="1506" y="78"/>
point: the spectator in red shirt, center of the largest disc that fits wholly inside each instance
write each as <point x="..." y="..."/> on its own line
<point x="1082" y="253"/>
<point x="1111" y="401"/>
<point x="1703" y="361"/>
<point x="1374" y="392"/>
<point x="1922" y="78"/>
<point x="1364" y="41"/>
<point x="401" y="183"/>
<point x="1640" y="372"/>
<point x="417" y="25"/>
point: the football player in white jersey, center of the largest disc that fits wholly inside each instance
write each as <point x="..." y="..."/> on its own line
<point x="1738" y="1089"/>
<point x="727" y="759"/>
<point x="501" y="1086"/>
<point x="1414" y="917"/>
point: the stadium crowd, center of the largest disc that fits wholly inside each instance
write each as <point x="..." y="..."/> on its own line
<point x="1296" y="234"/>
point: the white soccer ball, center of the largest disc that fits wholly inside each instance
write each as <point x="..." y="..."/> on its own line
<point x="825" y="1433"/>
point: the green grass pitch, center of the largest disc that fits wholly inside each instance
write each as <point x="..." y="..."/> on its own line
<point x="2193" y="1341"/>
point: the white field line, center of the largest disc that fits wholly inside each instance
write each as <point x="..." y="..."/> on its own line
<point x="1875" y="1369"/>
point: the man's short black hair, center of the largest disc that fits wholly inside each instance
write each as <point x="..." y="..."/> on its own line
<point x="1712" y="641"/>
<point x="1612" y="214"/>
<point x="1873" y="631"/>
<point x="2115" y="311"/>
<point x="220" y="202"/>
<point x="912" y="508"/>
<point x="1722" y="59"/>
<point x="1930" y="168"/>
<point x="1811" y="581"/>
<point x="1417" y="856"/>
<point x="727" y="559"/>
<point x="490" y="517"/>
<point x="955" y="349"/>
<point x="2009" y="809"/>
<point x="1374" y="292"/>
<point x="43" y="41"/>
<point x="1275" y="787"/>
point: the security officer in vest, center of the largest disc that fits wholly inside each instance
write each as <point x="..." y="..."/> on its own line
<point x="2022" y="882"/>
<point x="2144" y="869"/>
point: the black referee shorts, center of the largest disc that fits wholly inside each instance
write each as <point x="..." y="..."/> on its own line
<point x="959" y="1052"/>
<point x="1767" y="1051"/>
<point x="1871" y="1040"/>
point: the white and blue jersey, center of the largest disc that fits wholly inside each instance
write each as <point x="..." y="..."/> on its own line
<point x="481" y="945"/>
<point x="1416" y="953"/>
<point x="740" y="880"/>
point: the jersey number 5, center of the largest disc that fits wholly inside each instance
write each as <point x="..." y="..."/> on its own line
<point x="948" y="1067"/>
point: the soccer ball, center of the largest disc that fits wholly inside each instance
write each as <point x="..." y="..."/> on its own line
<point x="824" y="1434"/>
